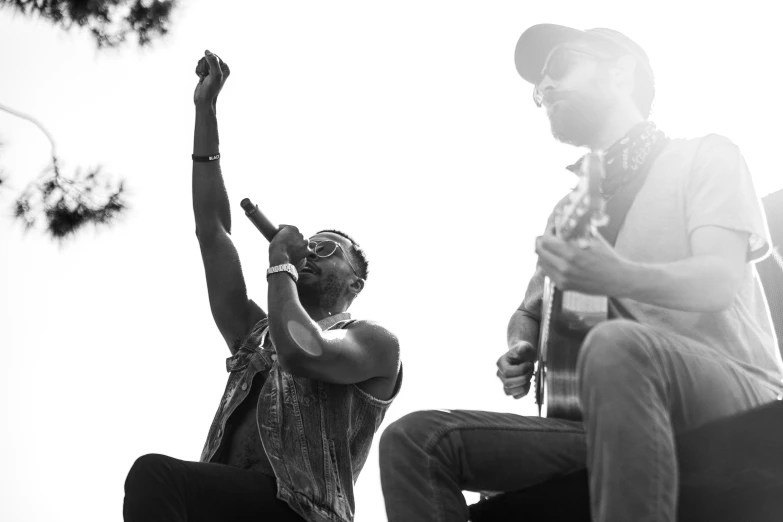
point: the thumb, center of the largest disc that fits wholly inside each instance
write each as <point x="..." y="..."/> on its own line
<point x="515" y="354"/>
<point x="214" y="65"/>
<point x="519" y="353"/>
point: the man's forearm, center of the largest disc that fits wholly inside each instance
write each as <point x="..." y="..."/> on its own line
<point x="696" y="284"/>
<point x="210" y="200"/>
<point x="522" y="327"/>
<point x="293" y="332"/>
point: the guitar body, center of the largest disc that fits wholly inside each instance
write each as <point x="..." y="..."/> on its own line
<point x="568" y="316"/>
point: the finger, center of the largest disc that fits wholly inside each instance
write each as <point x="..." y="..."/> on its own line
<point x="517" y="382"/>
<point x="524" y="392"/>
<point x="551" y="263"/>
<point x="512" y="386"/>
<point x="515" y="370"/>
<point x="292" y="227"/>
<point x="202" y="68"/>
<point x="548" y="253"/>
<point x="514" y="391"/>
<point x="521" y="351"/>
<point x="224" y="67"/>
<point x="505" y="365"/>
<point x="517" y="392"/>
<point x="553" y="244"/>
<point x="214" y="65"/>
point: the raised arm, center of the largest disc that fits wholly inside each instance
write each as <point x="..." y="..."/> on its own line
<point x="233" y="312"/>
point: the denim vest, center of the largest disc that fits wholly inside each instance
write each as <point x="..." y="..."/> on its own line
<point x="316" y="435"/>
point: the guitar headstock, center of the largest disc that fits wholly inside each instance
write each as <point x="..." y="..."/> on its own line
<point x="584" y="208"/>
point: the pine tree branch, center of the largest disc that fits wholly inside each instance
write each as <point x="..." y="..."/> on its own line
<point x="109" y="21"/>
<point x="66" y="204"/>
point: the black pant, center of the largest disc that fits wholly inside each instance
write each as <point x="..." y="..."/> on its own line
<point x="162" y="488"/>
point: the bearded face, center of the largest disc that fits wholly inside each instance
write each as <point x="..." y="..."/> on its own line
<point x="579" y="113"/>
<point x="323" y="292"/>
<point x="579" y="90"/>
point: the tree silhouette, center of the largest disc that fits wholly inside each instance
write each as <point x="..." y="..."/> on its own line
<point x="109" y="21"/>
<point x="66" y="204"/>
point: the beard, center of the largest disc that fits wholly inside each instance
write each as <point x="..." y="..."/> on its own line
<point x="324" y="293"/>
<point x="580" y="116"/>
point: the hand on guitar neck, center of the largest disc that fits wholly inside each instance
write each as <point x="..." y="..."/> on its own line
<point x="590" y="266"/>
<point x="515" y="369"/>
<point x="581" y="270"/>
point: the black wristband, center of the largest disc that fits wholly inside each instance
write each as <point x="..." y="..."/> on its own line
<point x="214" y="157"/>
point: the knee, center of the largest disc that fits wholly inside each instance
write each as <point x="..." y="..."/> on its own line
<point x="146" y="472"/>
<point x="613" y="353"/>
<point x="406" y="435"/>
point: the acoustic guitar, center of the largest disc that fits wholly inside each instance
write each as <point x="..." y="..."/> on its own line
<point x="567" y="316"/>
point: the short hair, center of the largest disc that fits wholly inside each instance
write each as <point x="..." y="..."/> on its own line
<point x="356" y="250"/>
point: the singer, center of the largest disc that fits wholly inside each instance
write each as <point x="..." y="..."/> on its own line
<point x="307" y="386"/>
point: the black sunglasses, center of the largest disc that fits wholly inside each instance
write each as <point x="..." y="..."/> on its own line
<point x="560" y="62"/>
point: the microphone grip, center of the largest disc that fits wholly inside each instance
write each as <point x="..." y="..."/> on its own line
<point x="266" y="227"/>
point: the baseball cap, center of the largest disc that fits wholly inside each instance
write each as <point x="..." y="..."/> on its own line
<point x="538" y="41"/>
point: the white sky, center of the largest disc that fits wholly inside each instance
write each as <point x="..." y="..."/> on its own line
<point x="403" y="123"/>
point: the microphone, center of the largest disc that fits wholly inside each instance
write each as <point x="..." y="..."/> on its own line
<point x="262" y="223"/>
<point x="266" y="227"/>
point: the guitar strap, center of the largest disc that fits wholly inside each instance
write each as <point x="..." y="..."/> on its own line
<point x="620" y="203"/>
<point x="617" y="208"/>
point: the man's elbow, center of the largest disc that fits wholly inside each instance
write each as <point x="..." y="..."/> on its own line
<point x="304" y="362"/>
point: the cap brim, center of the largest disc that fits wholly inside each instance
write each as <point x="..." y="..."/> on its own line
<point x="536" y="43"/>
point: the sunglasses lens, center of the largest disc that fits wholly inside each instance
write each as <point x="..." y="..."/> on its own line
<point x="323" y="248"/>
<point x="559" y="64"/>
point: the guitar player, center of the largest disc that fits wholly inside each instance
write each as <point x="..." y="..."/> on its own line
<point x="697" y="343"/>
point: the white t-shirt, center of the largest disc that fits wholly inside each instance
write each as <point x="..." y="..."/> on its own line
<point x="691" y="184"/>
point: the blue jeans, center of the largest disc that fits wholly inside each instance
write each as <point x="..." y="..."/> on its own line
<point x="638" y="387"/>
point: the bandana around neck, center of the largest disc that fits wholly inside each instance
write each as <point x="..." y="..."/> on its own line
<point x="627" y="156"/>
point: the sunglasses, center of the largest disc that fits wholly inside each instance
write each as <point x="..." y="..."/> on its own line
<point x="560" y="63"/>
<point x="327" y="247"/>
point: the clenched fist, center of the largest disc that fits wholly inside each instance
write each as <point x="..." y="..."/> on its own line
<point x="515" y="369"/>
<point x="288" y="246"/>
<point x="212" y="73"/>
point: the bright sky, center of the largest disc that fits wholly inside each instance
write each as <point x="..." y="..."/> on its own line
<point x="403" y="123"/>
